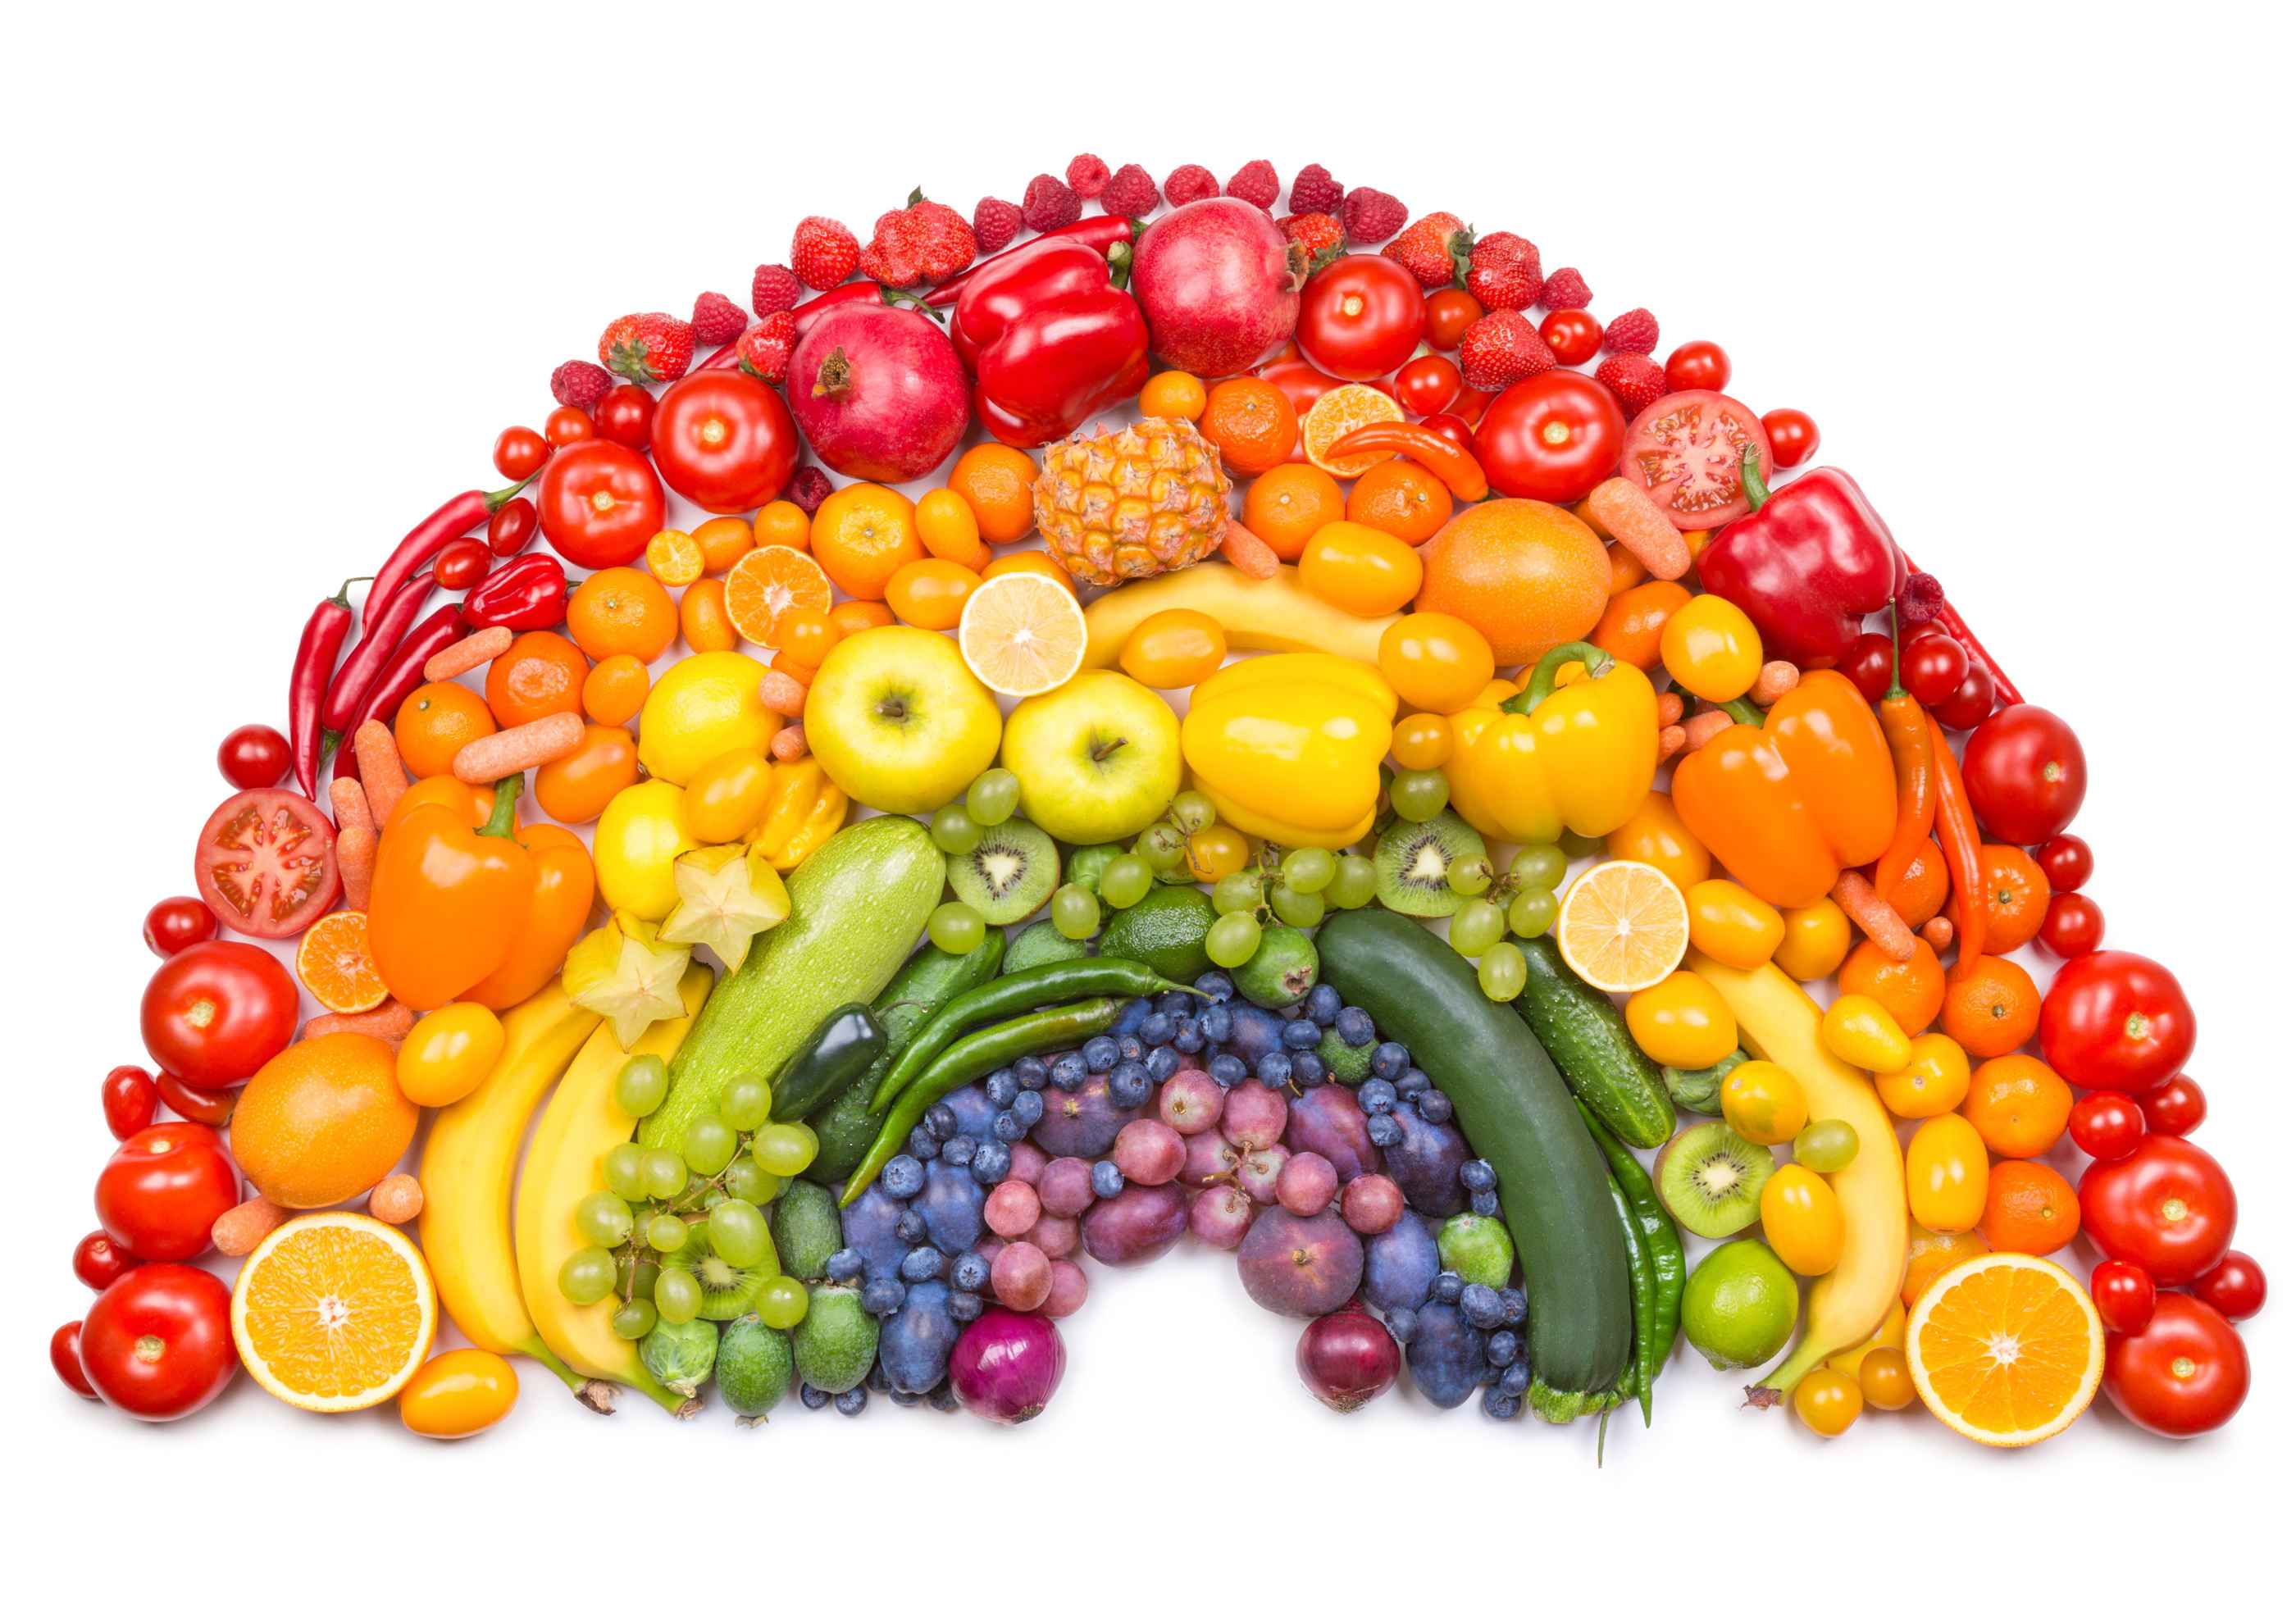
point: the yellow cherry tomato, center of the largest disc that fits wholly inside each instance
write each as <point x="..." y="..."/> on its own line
<point x="1764" y="1102"/>
<point x="448" y="1053"/>
<point x="1945" y="1174"/>
<point x="1173" y="395"/>
<point x="1422" y="742"/>
<point x="1935" y="1078"/>
<point x="1890" y="1334"/>
<point x="1862" y="1032"/>
<point x="1217" y="851"/>
<point x="726" y="796"/>
<point x="1802" y="1220"/>
<point x="1683" y="1022"/>
<point x="636" y="843"/>
<point x="945" y="524"/>
<point x="1885" y="1379"/>
<point x="1176" y="647"/>
<point x="930" y="593"/>
<point x="1435" y="662"/>
<point x="1363" y="570"/>
<point x="1828" y="1403"/>
<point x="1816" y="942"/>
<point x="457" y="1393"/>
<point x="1730" y="924"/>
<point x="1654" y="835"/>
<point x="1712" y="648"/>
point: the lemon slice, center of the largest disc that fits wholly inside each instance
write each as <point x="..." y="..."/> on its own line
<point x="1623" y="926"/>
<point x="1021" y="634"/>
<point x="2005" y="1349"/>
<point x="335" y="1312"/>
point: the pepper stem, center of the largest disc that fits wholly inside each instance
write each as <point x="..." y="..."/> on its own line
<point x="1541" y="684"/>
<point x="1119" y="264"/>
<point x="1897" y="687"/>
<point x="1742" y="710"/>
<point x="495" y="499"/>
<point x="342" y="598"/>
<point x="504" y="821"/>
<point x="1750" y="478"/>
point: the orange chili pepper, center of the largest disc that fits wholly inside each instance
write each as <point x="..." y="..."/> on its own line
<point x="565" y="885"/>
<point x="1450" y="463"/>
<point x="1907" y="726"/>
<point x="1956" y="830"/>
<point x="448" y="897"/>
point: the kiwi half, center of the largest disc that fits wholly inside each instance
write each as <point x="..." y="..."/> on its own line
<point x="1414" y="862"/>
<point x="727" y="1290"/>
<point x="1711" y="1179"/>
<point x="1009" y="874"/>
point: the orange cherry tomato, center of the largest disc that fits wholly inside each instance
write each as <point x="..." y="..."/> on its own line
<point x="929" y="591"/>
<point x="855" y="616"/>
<point x="723" y="539"/>
<point x="1435" y="662"/>
<point x="457" y="1393"/>
<point x="947" y="526"/>
<point x="579" y="787"/>
<point x="1422" y="742"/>
<point x="1632" y="627"/>
<point x="1363" y="570"/>
<point x="703" y="619"/>
<point x="805" y="634"/>
<point x="1177" y="647"/>
<point x="726" y="796"/>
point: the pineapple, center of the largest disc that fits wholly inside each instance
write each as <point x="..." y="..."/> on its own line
<point x="1124" y="507"/>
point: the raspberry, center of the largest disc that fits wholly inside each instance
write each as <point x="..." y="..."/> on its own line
<point x="1502" y="348"/>
<point x="1372" y="216"/>
<point x="716" y="319"/>
<point x="1048" y="204"/>
<point x="1315" y="190"/>
<point x="1634" y="379"/>
<point x="1087" y="175"/>
<point x="1565" y="288"/>
<point x="772" y="289"/>
<point x="1256" y="182"/>
<point x="1130" y="193"/>
<point x="579" y="384"/>
<point x="1190" y="182"/>
<point x="1635" y="330"/>
<point x="995" y="223"/>
<point x="1920" y="601"/>
<point x="809" y="487"/>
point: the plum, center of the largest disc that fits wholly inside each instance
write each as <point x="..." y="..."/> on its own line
<point x="1221" y="1216"/>
<point x="1426" y="1164"/>
<point x="1446" y="1354"/>
<point x="1370" y="1203"/>
<point x="868" y="1225"/>
<point x="1328" y="1122"/>
<point x="1210" y="1158"/>
<point x="913" y="1344"/>
<point x="1346" y="1358"/>
<point x="976" y="1112"/>
<point x="1254" y="1115"/>
<point x="1253" y="1032"/>
<point x="1149" y="1152"/>
<point x="1401" y="1264"/>
<point x="1137" y="1225"/>
<point x="1257" y="1172"/>
<point x="1300" y="1265"/>
<point x="1021" y="1275"/>
<point x="1065" y="1189"/>
<point x="1082" y="1124"/>
<point x="1190" y="1102"/>
<point x="1307" y="1184"/>
<point x="951" y="1206"/>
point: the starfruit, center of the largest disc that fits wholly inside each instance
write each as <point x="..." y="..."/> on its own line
<point x="626" y="973"/>
<point x="727" y="895"/>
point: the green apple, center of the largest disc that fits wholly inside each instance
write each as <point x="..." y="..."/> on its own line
<point x="898" y="721"/>
<point x="1098" y="759"/>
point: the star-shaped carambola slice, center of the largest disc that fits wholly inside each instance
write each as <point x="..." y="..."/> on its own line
<point x="628" y="973"/>
<point x="725" y="897"/>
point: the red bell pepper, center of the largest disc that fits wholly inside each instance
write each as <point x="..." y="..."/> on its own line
<point x="1049" y="341"/>
<point x="1808" y="564"/>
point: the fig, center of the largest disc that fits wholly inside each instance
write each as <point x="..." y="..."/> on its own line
<point x="1300" y="1265"/>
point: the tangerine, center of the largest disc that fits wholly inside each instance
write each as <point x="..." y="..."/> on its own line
<point x="437" y="722"/>
<point x="998" y="483"/>
<point x="620" y="611"/>
<point x="1289" y="503"/>
<point x="1401" y="497"/>
<point x="861" y="534"/>
<point x="540" y="675"/>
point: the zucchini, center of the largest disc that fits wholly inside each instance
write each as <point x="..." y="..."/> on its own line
<point x="1514" y="1108"/>
<point x="840" y="1049"/>
<point x="1587" y="1039"/>
<point x="857" y="907"/>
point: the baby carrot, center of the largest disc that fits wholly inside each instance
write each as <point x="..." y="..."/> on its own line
<point x="519" y="748"/>
<point x="239" y="1230"/>
<point x="1874" y="916"/>
<point x="1247" y="552"/>
<point x="389" y="1021"/>
<point x="788" y="744"/>
<point x="1626" y="514"/>
<point x="458" y="658"/>
<point x="380" y="774"/>
<point x="349" y="801"/>
<point x="356" y="848"/>
<point x="782" y="693"/>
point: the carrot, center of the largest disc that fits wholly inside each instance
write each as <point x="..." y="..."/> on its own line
<point x="356" y="848"/>
<point x="788" y="744"/>
<point x="1669" y="708"/>
<point x="350" y="800"/>
<point x="1956" y="832"/>
<point x="1937" y="932"/>
<point x="1874" y="916"/>
<point x="1624" y="512"/>
<point x="398" y="1198"/>
<point x="1671" y="740"/>
<point x="390" y="1020"/>
<point x="380" y="771"/>
<point x="1700" y="729"/>
<point x="458" y="658"/>
<point x="239" y="1230"/>
<point x="1248" y="554"/>
<point x="782" y="693"/>
<point x="519" y="748"/>
<point x="1777" y="679"/>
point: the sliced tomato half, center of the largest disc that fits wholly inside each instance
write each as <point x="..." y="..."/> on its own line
<point x="1686" y="450"/>
<point x="267" y="863"/>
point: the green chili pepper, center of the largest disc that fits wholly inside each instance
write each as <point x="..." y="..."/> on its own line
<point x="1669" y="1265"/>
<point x="1645" y="1292"/>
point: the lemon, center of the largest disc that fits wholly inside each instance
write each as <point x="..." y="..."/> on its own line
<point x="701" y="708"/>
<point x="636" y="844"/>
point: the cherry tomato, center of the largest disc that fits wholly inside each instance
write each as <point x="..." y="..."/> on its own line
<point x="600" y="504"/>
<point x="1971" y="701"/>
<point x="625" y="416"/>
<point x="1177" y="647"/>
<point x="2027" y="775"/>
<point x="511" y="527"/>
<point x="2166" y="1205"/>
<point x="1428" y="383"/>
<point x="1449" y="311"/>
<point x="1453" y="428"/>
<point x="462" y="563"/>
<point x="2105" y="1127"/>
<point x="1555" y="437"/>
<point x="253" y="756"/>
<point x="1793" y="436"/>
<point x="1360" y="316"/>
<point x="1932" y="670"/>
<point x="214" y="1012"/>
<point x="2072" y="926"/>
<point x="2174" y="1108"/>
<point x="1688" y="450"/>
<point x="2116" y="1020"/>
<point x="98" y="1262"/>
<point x="724" y="438"/>
<point x="174" y="924"/>
<point x="1698" y="365"/>
<point x="2066" y="861"/>
<point x="2123" y="1294"/>
<point x="63" y="1355"/>
<point x="130" y="1100"/>
<point x="1868" y="665"/>
<point x="210" y="1107"/>
<point x="1573" y="334"/>
<point x="2234" y="1286"/>
<point x="457" y="1393"/>
<point x="160" y="1194"/>
<point x="2186" y="1374"/>
<point x="157" y="1344"/>
<point x="265" y="862"/>
<point x="565" y="426"/>
<point x="1363" y="570"/>
<point x="518" y="452"/>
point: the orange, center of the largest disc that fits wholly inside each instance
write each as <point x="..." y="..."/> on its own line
<point x="781" y="524"/>
<point x="1289" y="504"/>
<point x="325" y="1119"/>
<point x="2029" y="1206"/>
<point x="856" y="616"/>
<point x="334" y="963"/>
<point x="1994" y="1008"/>
<point x="334" y="1313"/>
<point x="1526" y="574"/>
<point x="2016" y="897"/>
<point x="770" y="580"/>
<point x="1031" y="562"/>
<point x="703" y="619"/>
<point x="674" y="558"/>
<point x="1926" y="887"/>
<point x="930" y="593"/>
<point x="1623" y="926"/>
<point x="2019" y="1106"/>
<point x="437" y="722"/>
<point x="1929" y="1254"/>
<point x="805" y="635"/>
<point x="946" y="525"/>
<point x="540" y="675"/>
<point x="2007" y="1348"/>
<point x="615" y="688"/>
<point x="1913" y="991"/>
<point x="1174" y="394"/>
<point x="1363" y="570"/>
<point x="1340" y="411"/>
<point x="861" y="536"/>
<point x="1021" y="634"/>
<point x="1401" y="497"/>
<point x="577" y="786"/>
<point x="723" y="539"/>
<point x="1251" y="422"/>
<point x="996" y="481"/>
<point x="622" y="611"/>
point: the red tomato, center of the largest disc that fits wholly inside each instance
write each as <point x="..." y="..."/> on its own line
<point x="2105" y="1127"/>
<point x="2166" y="1205"/>
<point x="1470" y="404"/>
<point x="2073" y="925"/>
<point x="2027" y="775"/>
<point x="130" y="1100"/>
<point x="2176" y="1107"/>
<point x="2116" y="1020"/>
<point x="2186" y="1374"/>
<point x="266" y="863"/>
<point x="174" y="924"/>
<point x="2066" y="861"/>
<point x="1792" y="434"/>
<point x="625" y="416"/>
<point x="462" y="563"/>
<point x="2123" y="1294"/>
<point x="208" y="1108"/>
<point x="600" y="504"/>
<point x="63" y="1355"/>
<point x="157" y="1344"/>
<point x="518" y="452"/>
<point x="1360" y="318"/>
<point x="1555" y="437"/>
<point x="214" y="1012"/>
<point x="1868" y="665"/>
<point x="253" y="756"/>
<point x="724" y="438"/>
<point x="1688" y="450"/>
<point x="98" y="1263"/>
<point x="1698" y="365"/>
<point x="1453" y="428"/>
<point x="1428" y="383"/>
<point x="160" y="1194"/>
<point x="565" y="426"/>
<point x="1573" y="334"/>
<point x="1931" y="668"/>
<point x="1449" y="311"/>
<point x="511" y="527"/>
<point x="1969" y="702"/>
<point x="2234" y="1286"/>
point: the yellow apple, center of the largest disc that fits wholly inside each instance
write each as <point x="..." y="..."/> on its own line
<point x="897" y="720"/>
<point x="1098" y="759"/>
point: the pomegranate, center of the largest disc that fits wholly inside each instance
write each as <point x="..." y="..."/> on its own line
<point x="1220" y="284"/>
<point x="879" y="391"/>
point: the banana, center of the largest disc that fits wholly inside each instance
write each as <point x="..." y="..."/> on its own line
<point x="578" y="1126"/>
<point x="1275" y="615"/>
<point x="468" y="1162"/>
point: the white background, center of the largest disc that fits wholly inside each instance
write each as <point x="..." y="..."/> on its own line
<point x="279" y="279"/>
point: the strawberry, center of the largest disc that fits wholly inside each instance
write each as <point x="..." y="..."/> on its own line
<point x="1503" y="272"/>
<point x="1565" y="291"/>
<point x="579" y="384"/>
<point x="1318" y="236"/>
<point x="994" y="224"/>
<point x="1131" y="193"/>
<point x="946" y="246"/>
<point x="1371" y="215"/>
<point x="1315" y="190"/>
<point x="1256" y="182"/>
<point x="893" y="256"/>
<point x="1635" y="330"/>
<point x="647" y="347"/>
<point x="923" y="242"/>
<point x="1087" y="175"/>
<point x="1434" y="249"/>
<point x="1190" y="182"/>
<point x="774" y="289"/>
<point x="1501" y="347"/>
<point x="823" y="252"/>
<point x="1634" y="379"/>
<point x="1048" y="204"/>
<point x="764" y="347"/>
<point x="717" y="320"/>
<point x="809" y="487"/>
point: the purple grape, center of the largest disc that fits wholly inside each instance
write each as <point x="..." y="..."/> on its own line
<point x="1327" y="1120"/>
<point x="1149" y="1152"/>
<point x="1021" y="1275"/>
<point x="1138" y="1225"/>
<point x="1013" y="1208"/>
<point x="1300" y="1265"/>
<point x="1257" y="1172"/>
<point x="1056" y="1236"/>
<point x="1370" y="1203"/>
<point x="1191" y="1101"/>
<point x="1027" y="1162"/>
<point x="1065" y="1189"/>
<point x="1209" y="1158"/>
<point x="1307" y="1184"/>
<point x="1254" y="1117"/>
<point x="1220" y="1216"/>
<point x="1068" y="1287"/>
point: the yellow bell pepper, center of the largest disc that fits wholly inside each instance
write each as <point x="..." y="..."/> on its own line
<point x="804" y="809"/>
<point x="1861" y="1031"/>
<point x="1288" y="746"/>
<point x="1551" y="757"/>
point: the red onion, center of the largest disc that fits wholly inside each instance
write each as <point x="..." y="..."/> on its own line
<point x="1348" y="1357"/>
<point x="1008" y="1364"/>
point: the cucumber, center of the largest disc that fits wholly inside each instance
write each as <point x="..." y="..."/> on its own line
<point x="1587" y="1039"/>
<point x="856" y="908"/>
<point x="1514" y="1108"/>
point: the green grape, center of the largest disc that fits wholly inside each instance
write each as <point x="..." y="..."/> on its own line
<point x="1354" y="884"/>
<point x="781" y="1301"/>
<point x="1471" y="876"/>
<point x="633" y="1319"/>
<point x="1476" y="927"/>
<point x="1418" y="795"/>
<point x="626" y="1171"/>
<point x="1194" y="812"/>
<point x="709" y="1144"/>
<point x="642" y="1279"/>
<point x="1125" y="880"/>
<point x="993" y="796"/>
<point x="737" y="1233"/>
<point x="664" y="1174"/>
<point x="604" y="1219"/>
<point x="1239" y="891"/>
<point x="1541" y="865"/>
<point x="1826" y="1146"/>
<point x="1075" y="913"/>
<point x="1293" y="908"/>
<point x="589" y="1275"/>
<point x="1309" y="870"/>
<point x="1163" y="845"/>
<point x="668" y="1232"/>
<point x="956" y="929"/>
<point x="784" y="1148"/>
<point x="640" y="1087"/>
<point x="677" y="1295"/>
<point x="1531" y="912"/>
<point x="955" y="832"/>
<point x="1575" y="847"/>
<point x="1500" y="971"/>
<point x="745" y="1101"/>
<point x="745" y="1179"/>
<point x="1232" y="939"/>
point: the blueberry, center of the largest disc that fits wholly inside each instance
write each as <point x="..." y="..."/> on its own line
<point x="1516" y="1379"/>
<point x="969" y="1273"/>
<point x="1376" y="1097"/>
<point x="942" y="1119"/>
<point x="992" y="1163"/>
<point x="1484" y="1202"/>
<point x="1006" y="1128"/>
<point x="814" y="1399"/>
<point x="923" y="1143"/>
<point x="881" y="1297"/>
<point x="1503" y="1347"/>
<point x="1129" y="1019"/>
<point x="944" y="1396"/>
<point x="1301" y="1034"/>
<point x="1384" y="1130"/>
<point x="1162" y="1061"/>
<point x="1518" y="1307"/>
<point x="1275" y="1069"/>
<point x="1000" y="1087"/>
<point x="1412" y="1080"/>
<point x="1030" y="1071"/>
<point x="1107" y="1181"/>
<point x="1401" y="1322"/>
<point x="1217" y="1023"/>
<point x="1156" y="1029"/>
<point x="1501" y="1408"/>
<point x="902" y="1398"/>
<point x="1323" y="1004"/>
<point x="852" y="1403"/>
<point x="1477" y="1176"/>
<point x="1447" y="1287"/>
<point x="1354" y="1025"/>
<point x="1176" y="1004"/>
<point x="1388" y="1059"/>
<point x="1101" y="1053"/>
<point x="843" y="1266"/>
<point x="1308" y="1068"/>
<point x="1028" y="1108"/>
<point x="1217" y="983"/>
<point x="910" y="1229"/>
<point x="1435" y="1106"/>
<point x="1129" y="1086"/>
<point x="923" y="1265"/>
<point x="1131" y="1048"/>
<point x="1069" y="1072"/>
<point x="903" y="1176"/>
<point x="1226" y="1070"/>
<point x="1483" y="1306"/>
<point x="964" y="1304"/>
<point x="1188" y="1037"/>
<point x="959" y="1149"/>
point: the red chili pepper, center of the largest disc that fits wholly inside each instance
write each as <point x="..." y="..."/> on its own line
<point x="404" y="672"/>
<point x="384" y="629"/>
<point x="315" y="655"/>
<point x="1958" y="629"/>
<point x="457" y="516"/>
<point x="526" y="594"/>
<point x="1102" y="235"/>
<point x="1459" y="471"/>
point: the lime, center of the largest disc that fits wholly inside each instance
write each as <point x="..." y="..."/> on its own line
<point x="1740" y="1304"/>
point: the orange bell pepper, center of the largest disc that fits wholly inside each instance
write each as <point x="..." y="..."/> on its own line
<point x="1791" y="802"/>
<point x="449" y="897"/>
<point x="565" y="886"/>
